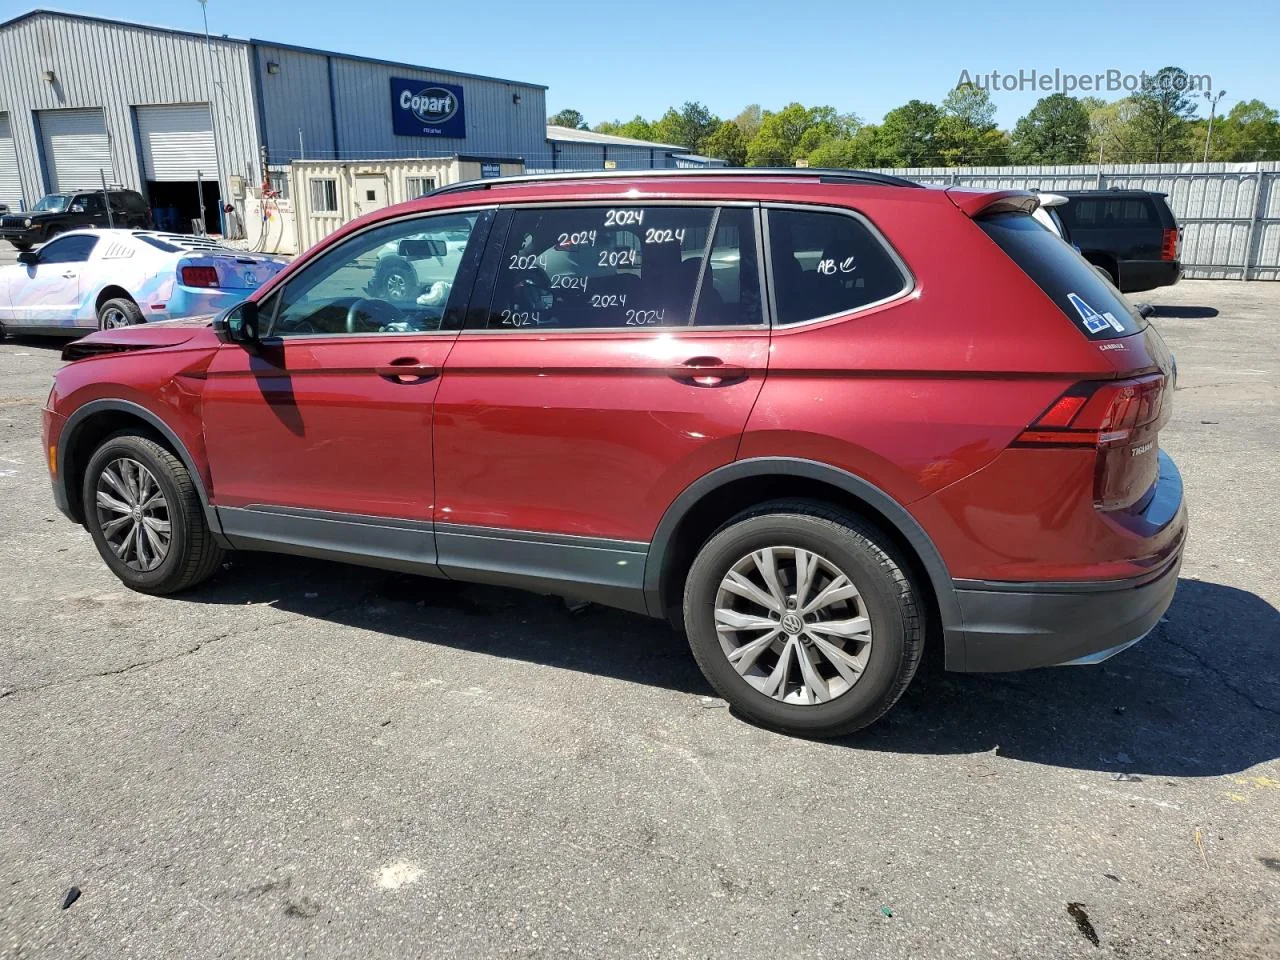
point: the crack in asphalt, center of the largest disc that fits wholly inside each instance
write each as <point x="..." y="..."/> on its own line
<point x="142" y="664"/>
<point x="1222" y="677"/>
<point x="360" y="600"/>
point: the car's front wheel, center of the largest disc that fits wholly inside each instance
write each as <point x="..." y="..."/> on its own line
<point x="145" y="516"/>
<point x="801" y="616"/>
<point x="20" y="245"/>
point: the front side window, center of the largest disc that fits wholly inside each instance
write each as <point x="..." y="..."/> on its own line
<point x="53" y="203"/>
<point x="827" y="263"/>
<point x="396" y="278"/>
<point x="625" y="267"/>
<point x="93" y="203"/>
<point x="75" y="249"/>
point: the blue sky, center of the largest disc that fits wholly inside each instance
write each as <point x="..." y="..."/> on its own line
<point x="612" y="59"/>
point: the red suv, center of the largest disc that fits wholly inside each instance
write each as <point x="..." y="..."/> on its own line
<point x="814" y="419"/>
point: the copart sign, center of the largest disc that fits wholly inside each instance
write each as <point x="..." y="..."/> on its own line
<point x="424" y="108"/>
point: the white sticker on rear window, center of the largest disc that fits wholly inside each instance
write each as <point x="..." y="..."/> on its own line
<point x="1111" y="319"/>
<point x="1092" y="319"/>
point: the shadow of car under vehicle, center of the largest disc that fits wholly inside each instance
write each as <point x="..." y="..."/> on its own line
<point x="1184" y="313"/>
<point x="1199" y="697"/>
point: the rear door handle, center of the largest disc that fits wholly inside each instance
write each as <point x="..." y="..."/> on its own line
<point x="407" y="370"/>
<point x="708" y="372"/>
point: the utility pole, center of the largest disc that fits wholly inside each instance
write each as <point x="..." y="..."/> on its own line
<point x="213" y="123"/>
<point x="1213" y="106"/>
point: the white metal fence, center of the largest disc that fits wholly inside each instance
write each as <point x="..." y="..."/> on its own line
<point x="1230" y="212"/>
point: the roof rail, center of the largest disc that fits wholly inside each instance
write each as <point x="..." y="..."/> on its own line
<point x="683" y="173"/>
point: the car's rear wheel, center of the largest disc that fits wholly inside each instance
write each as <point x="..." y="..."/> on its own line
<point x="114" y="314"/>
<point x="801" y="616"/>
<point x="145" y="516"/>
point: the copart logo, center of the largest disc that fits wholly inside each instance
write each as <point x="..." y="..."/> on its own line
<point x="431" y="105"/>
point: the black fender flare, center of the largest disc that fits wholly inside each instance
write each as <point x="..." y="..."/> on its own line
<point x="77" y="420"/>
<point x="904" y="524"/>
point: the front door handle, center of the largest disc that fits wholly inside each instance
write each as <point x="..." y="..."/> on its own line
<point x="407" y="370"/>
<point x="708" y="372"/>
<point x="69" y="276"/>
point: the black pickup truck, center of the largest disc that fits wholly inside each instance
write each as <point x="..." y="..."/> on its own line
<point x="1129" y="234"/>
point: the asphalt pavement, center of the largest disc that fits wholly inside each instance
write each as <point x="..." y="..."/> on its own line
<point x="307" y="759"/>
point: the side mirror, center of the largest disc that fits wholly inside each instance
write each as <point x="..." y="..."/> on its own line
<point x="77" y="208"/>
<point x="239" y="325"/>
<point x="29" y="257"/>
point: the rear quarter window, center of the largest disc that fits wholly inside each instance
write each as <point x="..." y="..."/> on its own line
<point x="1105" y="212"/>
<point x="1096" y="308"/>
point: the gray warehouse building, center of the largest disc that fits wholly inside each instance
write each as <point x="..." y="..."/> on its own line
<point x="84" y="98"/>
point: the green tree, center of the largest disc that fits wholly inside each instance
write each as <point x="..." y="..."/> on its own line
<point x="967" y="132"/>
<point x="727" y="143"/>
<point x="1114" y="133"/>
<point x="1249" y="131"/>
<point x="689" y="126"/>
<point x="749" y="120"/>
<point x="857" y="151"/>
<point x="568" y="118"/>
<point x="638" y="128"/>
<point x="1165" y="106"/>
<point x="1055" y="130"/>
<point x="909" y="135"/>
<point x="794" y="132"/>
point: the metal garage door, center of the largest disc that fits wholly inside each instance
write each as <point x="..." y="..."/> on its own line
<point x="10" y="185"/>
<point x="177" y="142"/>
<point x="76" y="148"/>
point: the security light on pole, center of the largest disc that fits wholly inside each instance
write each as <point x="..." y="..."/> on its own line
<point x="1213" y="99"/>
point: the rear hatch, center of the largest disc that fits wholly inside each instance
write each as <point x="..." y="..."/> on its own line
<point x="1122" y="417"/>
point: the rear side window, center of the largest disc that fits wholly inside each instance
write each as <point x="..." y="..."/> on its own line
<point x="1091" y="302"/>
<point x="827" y="263"/>
<point x="626" y="268"/>
<point x="1107" y="212"/>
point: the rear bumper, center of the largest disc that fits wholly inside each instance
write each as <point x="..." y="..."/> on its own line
<point x="1138" y="275"/>
<point x="1013" y="627"/>
<point x="1018" y="626"/>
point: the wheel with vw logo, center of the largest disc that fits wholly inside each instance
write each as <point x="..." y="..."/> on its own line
<point x="802" y="619"/>
<point x="145" y="516"/>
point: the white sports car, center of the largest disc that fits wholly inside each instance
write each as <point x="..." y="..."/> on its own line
<point x="100" y="279"/>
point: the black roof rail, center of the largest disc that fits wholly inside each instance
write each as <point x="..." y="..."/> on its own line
<point x="820" y="174"/>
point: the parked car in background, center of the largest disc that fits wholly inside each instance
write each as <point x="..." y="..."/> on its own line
<point x="59" y="212"/>
<point x="100" y="279"/>
<point x="1047" y="214"/>
<point x="1131" y="235"/>
<point x="4" y="208"/>
<point x="816" y="420"/>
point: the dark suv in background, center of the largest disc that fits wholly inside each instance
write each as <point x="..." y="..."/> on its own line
<point x="1131" y="235"/>
<point x="60" y="212"/>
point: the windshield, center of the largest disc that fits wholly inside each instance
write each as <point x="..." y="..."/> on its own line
<point x="54" y="203"/>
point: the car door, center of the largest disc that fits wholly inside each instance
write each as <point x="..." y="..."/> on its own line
<point x="319" y="438"/>
<point x="49" y="293"/>
<point x="94" y="209"/>
<point x="587" y="392"/>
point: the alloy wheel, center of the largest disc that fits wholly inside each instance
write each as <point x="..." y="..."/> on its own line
<point x="793" y="625"/>
<point x="113" y="318"/>
<point x="133" y="514"/>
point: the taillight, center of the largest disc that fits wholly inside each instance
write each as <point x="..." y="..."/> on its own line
<point x="1098" y="413"/>
<point x="1169" y="245"/>
<point x="199" y="276"/>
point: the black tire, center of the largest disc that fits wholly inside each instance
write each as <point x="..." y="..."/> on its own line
<point x="119" y="307"/>
<point x="20" y="245"/>
<point x="395" y="281"/>
<point x="193" y="555"/>
<point x="862" y="553"/>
